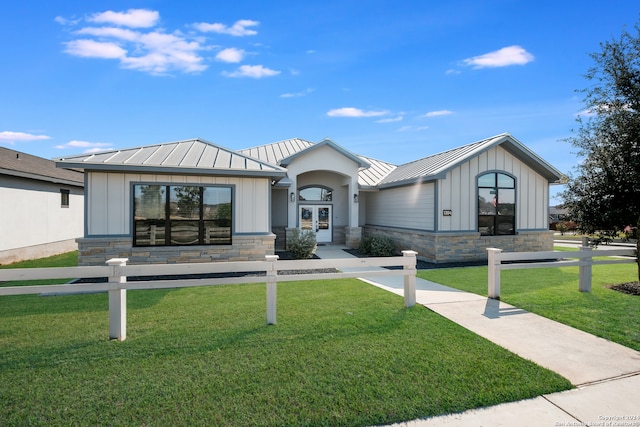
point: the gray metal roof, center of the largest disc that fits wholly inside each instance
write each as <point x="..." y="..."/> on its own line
<point x="274" y="153"/>
<point x="193" y="156"/>
<point x="437" y="165"/>
<point x="376" y="172"/>
<point x="16" y="163"/>
<point x="283" y="152"/>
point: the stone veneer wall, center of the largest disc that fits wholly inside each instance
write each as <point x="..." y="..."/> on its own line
<point x="462" y="246"/>
<point x="97" y="250"/>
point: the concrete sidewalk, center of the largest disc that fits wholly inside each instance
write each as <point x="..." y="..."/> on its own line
<point x="606" y="374"/>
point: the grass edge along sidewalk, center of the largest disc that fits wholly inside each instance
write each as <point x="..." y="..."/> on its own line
<point x="553" y="293"/>
<point x="343" y="353"/>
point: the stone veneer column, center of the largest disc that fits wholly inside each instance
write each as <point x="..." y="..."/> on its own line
<point x="353" y="235"/>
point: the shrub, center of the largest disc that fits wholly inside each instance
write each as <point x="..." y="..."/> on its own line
<point x="378" y="246"/>
<point x="562" y="228"/>
<point x="302" y="244"/>
<point x="365" y="245"/>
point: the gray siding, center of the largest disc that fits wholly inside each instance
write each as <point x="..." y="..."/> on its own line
<point x="404" y="207"/>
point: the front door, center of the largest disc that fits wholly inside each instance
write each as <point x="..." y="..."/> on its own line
<point x="316" y="218"/>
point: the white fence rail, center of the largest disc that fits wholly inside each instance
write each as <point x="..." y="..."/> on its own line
<point x="117" y="272"/>
<point x="550" y="259"/>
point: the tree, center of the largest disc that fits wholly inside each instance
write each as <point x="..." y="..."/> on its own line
<point x="605" y="192"/>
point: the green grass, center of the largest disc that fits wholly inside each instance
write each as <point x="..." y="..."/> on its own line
<point x="68" y="259"/>
<point x="553" y="293"/>
<point x="343" y="353"/>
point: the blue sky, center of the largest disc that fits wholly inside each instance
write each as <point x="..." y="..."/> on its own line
<point x="394" y="80"/>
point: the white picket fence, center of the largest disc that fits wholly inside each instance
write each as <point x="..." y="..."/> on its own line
<point x="585" y="262"/>
<point x="117" y="272"/>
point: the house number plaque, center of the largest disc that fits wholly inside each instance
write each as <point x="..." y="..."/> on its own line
<point x="447" y="212"/>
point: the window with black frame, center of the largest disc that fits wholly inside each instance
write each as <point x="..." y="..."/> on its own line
<point x="496" y="204"/>
<point x="181" y="215"/>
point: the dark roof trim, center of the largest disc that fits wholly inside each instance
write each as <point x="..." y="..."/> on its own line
<point x="174" y="170"/>
<point x="37" y="177"/>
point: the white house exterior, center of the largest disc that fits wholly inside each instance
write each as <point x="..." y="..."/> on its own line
<point x="449" y="207"/>
<point x="42" y="207"/>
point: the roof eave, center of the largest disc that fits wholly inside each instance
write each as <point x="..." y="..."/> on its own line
<point x="175" y="170"/>
<point x="41" y="177"/>
<point x="412" y="181"/>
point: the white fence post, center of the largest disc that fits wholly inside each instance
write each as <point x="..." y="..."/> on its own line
<point x="586" y="263"/>
<point x="494" y="272"/>
<point x="117" y="300"/>
<point x="271" y="288"/>
<point x="409" y="267"/>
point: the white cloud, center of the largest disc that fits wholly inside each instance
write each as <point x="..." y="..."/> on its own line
<point x="253" y="71"/>
<point x="511" y="55"/>
<point x="354" y="112"/>
<point x="94" y="49"/>
<point x="230" y="54"/>
<point x="238" y="29"/>
<point x="438" y="113"/>
<point x="89" y="147"/>
<point x="133" y="18"/>
<point x="11" y="137"/>
<point x="412" y="128"/>
<point x="113" y="32"/>
<point x="390" y="120"/>
<point x="134" y="40"/>
<point x="152" y="51"/>
<point x="452" y="72"/>
<point x="296" y="94"/>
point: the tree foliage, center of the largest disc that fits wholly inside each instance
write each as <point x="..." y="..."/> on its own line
<point x="604" y="193"/>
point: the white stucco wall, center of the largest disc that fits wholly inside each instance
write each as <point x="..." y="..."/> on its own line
<point x="32" y="215"/>
<point x="457" y="192"/>
<point x="326" y="166"/>
<point x="109" y="200"/>
<point x="405" y="207"/>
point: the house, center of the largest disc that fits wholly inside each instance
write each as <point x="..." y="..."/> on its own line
<point x="42" y="207"/>
<point x="195" y="201"/>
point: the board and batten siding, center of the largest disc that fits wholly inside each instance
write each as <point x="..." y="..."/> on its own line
<point x="109" y="200"/>
<point x="403" y="207"/>
<point x="457" y="192"/>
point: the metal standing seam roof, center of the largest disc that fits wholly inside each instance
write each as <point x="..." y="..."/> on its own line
<point x="188" y="156"/>
<point x="275" y="152"/>
<point x="437" y="165"/>
<point x="16" y="163"/>
<point x="281" y="150"/>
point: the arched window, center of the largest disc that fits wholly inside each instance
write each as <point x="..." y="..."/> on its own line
<point x="316" y="194"/>
<point x="496" y="204"/>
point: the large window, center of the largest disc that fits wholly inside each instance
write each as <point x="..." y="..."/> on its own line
<point x="496" y="204"/>
<point x="181" y="215"/>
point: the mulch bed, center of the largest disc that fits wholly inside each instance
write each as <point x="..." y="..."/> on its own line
<point x="424" y="265"/>
<point x="631" y="288"/>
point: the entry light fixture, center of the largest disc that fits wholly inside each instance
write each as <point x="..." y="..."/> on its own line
<point x="355" y="198"/>
<point x="292" y="197"/>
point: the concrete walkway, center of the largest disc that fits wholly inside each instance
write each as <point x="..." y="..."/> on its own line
<point x="606" y="374"/>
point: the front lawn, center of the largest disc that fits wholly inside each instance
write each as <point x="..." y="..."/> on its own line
<point x="343" y="353"/>
<point x="553" y="293"/>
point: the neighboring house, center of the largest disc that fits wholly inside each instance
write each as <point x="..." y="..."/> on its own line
<point x="190" y="201"/>
<point x="42" y="207"/>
